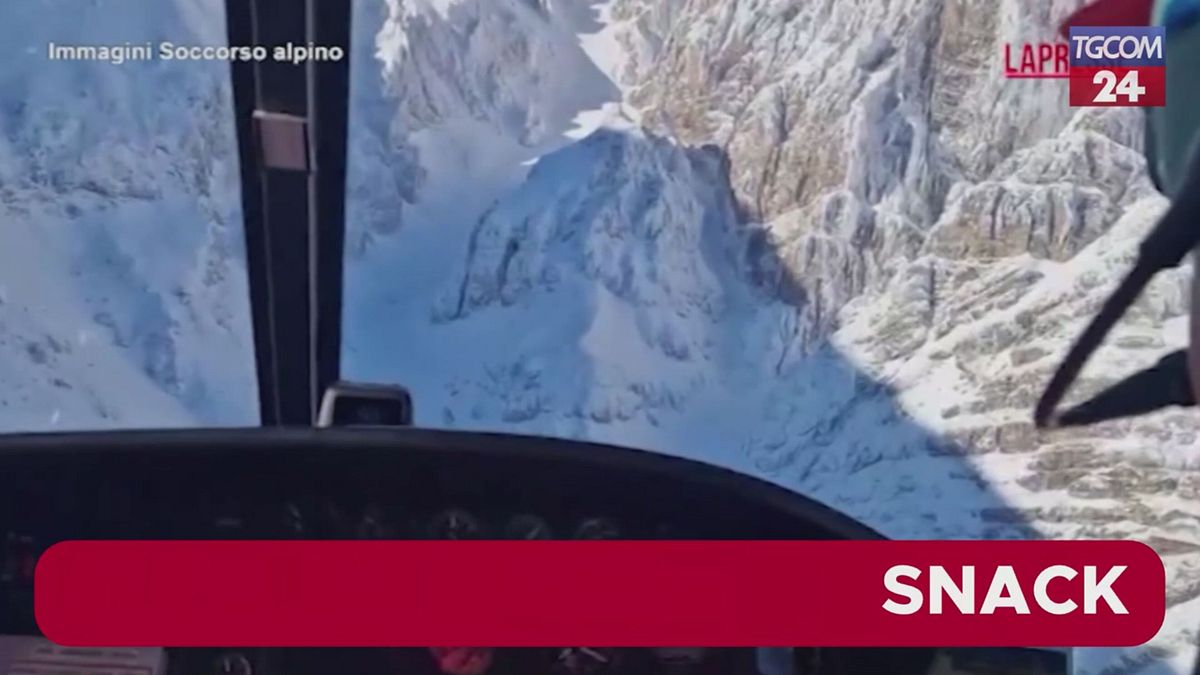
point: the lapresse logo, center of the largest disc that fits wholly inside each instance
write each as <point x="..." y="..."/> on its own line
<point x="1118" y="66"/>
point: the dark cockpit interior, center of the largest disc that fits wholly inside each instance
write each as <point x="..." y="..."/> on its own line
<point x="353" y="483"/>
<point x="378" y="483"/>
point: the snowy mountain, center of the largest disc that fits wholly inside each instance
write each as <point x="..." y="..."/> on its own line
<point x="820" y="241"/>
<point x="823" y="242"/>
<point x="122" y="287"/>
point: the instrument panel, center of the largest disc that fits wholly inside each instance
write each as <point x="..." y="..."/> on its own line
<point x="318" y="519"/>
<point x="400" y="484"/>
<point x="367" y="484"/>
<point x="410" y="484"/>
<point x="20" y="547"/>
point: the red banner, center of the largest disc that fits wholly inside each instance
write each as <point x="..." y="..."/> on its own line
<point x="615" y="593"/>
<point x="1114" y="87"/>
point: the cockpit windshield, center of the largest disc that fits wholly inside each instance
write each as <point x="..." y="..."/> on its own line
<point x="123" y="297"/>
<point x="837" y="245"/>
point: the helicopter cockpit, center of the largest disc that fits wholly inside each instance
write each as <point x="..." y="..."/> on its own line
<point x="340" y="461"/>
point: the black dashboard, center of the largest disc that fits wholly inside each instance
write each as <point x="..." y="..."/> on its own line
<point x="389" y="483"/>
<point x="398" y="483"/>
<point x="394" y="483"/>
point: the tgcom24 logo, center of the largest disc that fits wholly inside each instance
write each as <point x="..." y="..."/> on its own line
<point x="1114" y="53"/>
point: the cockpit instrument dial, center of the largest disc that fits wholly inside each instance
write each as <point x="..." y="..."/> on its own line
<point x="373" y="525"/>
<point x="528" y="526"/>
<point x="455" y="524"/>
<point x="233" y="664"/>
<point x="598" y="528"/>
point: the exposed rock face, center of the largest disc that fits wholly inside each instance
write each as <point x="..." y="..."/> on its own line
<point x="645" y="183"/>
<point x="851" y="123"/>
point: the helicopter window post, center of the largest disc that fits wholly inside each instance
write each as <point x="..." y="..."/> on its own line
<point x="292" y="120"/>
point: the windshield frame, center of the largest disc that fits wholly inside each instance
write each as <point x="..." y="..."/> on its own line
<point x="294" y="216"/>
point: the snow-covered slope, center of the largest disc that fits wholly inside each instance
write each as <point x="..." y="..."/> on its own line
<point x="821" y="241"/>
<point x="122" y="288"/>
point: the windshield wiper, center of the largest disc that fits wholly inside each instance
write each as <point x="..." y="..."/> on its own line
<point x="1159" y="387"/>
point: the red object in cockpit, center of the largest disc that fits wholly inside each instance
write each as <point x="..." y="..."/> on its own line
<point x="463" y="660"/>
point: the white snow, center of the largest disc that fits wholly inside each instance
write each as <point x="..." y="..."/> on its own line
<point x="125" y="300"/>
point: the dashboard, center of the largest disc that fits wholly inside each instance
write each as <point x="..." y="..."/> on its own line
<point x="395" y="483"/>
<point x="384" y="483"/>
